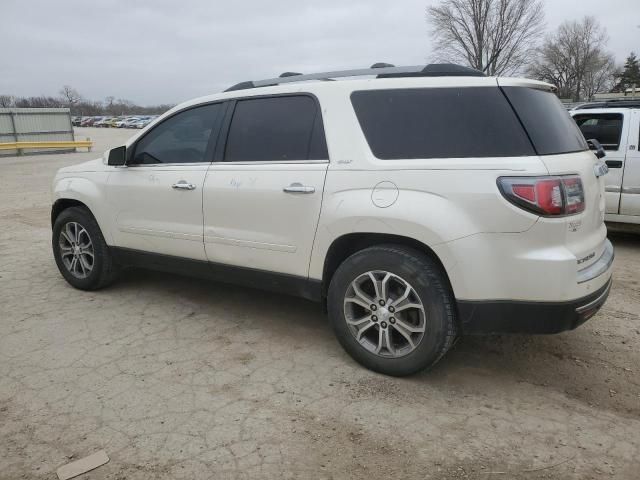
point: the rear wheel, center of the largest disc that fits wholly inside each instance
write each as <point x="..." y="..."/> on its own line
<point x="81" y="254"/>
<point x="392" y="309"/>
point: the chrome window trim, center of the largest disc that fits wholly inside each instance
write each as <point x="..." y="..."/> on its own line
<point x="273" y="162"/>
<point x="261" y="162"/>
<point x="178" y="164"/>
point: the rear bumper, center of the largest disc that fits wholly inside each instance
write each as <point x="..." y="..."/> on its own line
<point x="487" y="317"/>
<point x="599" y="267"/>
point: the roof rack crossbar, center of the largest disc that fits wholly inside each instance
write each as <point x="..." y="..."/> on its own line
<point x="382" y="72"/>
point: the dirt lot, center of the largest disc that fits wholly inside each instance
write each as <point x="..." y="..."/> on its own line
<point x="180" y="379"/>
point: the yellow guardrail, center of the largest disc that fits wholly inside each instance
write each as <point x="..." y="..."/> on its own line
<point x="31" y="145"/>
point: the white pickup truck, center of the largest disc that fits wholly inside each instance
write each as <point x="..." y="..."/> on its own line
<point x="616" y="125"/>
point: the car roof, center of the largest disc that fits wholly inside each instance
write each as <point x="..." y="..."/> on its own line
<point x="620" y="103"/>
<point x="583" y="111"/>
<point x="319" y="87"/>
<point x="375" y="78"/>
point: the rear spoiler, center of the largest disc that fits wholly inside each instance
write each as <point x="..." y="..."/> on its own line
<point x="525" y="82"/>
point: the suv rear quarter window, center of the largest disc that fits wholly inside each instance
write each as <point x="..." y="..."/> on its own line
<point x="440" y="123"/>
<point x="548" y="123"/>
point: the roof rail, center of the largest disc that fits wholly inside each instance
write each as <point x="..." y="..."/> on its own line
<point x="614" y="103"/>
<point x="381" y="65"/>
<point x="380" y="70"/>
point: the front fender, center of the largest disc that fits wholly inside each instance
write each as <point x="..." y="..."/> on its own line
<point x="90" y="191"/>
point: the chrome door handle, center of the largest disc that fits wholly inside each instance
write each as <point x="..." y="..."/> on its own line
<point x="298" y="188"/>
<point x="182" y="185"/>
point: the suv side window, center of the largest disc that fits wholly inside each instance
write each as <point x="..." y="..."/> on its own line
<point x="182" y="138"/>
<point x="281" y="128"/>
<point x="604" y="127"/>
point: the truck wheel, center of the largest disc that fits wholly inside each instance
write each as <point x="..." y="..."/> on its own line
<point x="80" y="251"/>
<point x="392" y="309"/>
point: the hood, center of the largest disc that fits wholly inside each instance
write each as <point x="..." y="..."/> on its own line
<point x="96" y="165"/>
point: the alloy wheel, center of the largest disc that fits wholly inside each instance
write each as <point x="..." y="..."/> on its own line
<point x="385" y="314"/>
<point x="76" y="250"/>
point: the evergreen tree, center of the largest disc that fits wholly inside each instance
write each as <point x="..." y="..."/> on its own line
<point x="630" y="74"/>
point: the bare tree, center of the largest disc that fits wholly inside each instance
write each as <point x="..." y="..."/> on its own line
<point x="574" y="59"/>
<point x="493" y="36"/>
<point x="70" y="95"/>
<point x="599" y="76"/>
<point x="84" y="107"/>
<point x="109" y="105"/>
<point x="7" y="101"/>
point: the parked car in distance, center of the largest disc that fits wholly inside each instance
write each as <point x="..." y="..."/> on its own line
<point x="417" y="203"/>
<point x="102" y="123"/>
<point x="128" y="122"/>
<point x="109" y="122"/>
<point x="140" y="123"/>
<point x="76" y="121"/>
<point x="89" y="121"/>
<point x="616" y="126"/>
<point x="114" y="122"/>
<point x="131" y="121"/>
<point x="120" y="122"/>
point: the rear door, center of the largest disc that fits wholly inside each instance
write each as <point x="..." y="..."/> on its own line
<point x="611" y="129"/>
<point x="630" y="198"/>
<point x="262" y="195"/>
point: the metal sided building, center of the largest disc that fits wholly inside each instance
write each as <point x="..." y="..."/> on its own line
<point x="34" y="125"/>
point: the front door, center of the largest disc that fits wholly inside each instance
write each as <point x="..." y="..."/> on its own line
<point x="611" y="130"/>
<point x="157" y="197"/>
<point x="630" y="199"/>
<point x="262" y="197"/>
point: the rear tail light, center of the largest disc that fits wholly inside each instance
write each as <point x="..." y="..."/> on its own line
<point x="546" y="196"/>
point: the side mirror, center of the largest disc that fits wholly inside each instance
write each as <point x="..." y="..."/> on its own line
<point x="597" y="146"/>
<point x="117" y="156"/>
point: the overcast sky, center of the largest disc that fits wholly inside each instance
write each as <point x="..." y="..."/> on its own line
<point x="167" y="51"/>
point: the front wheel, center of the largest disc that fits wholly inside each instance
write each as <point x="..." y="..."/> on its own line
<point x="81" y="254"/>
<point x="392" y="309"/>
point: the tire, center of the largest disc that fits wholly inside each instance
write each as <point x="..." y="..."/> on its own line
<point x="410" y="334"/>
<point x="85" y="274"/>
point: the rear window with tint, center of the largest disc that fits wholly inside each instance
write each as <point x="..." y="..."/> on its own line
<point x="551" y="128"/>
<point x="440" y="123"/>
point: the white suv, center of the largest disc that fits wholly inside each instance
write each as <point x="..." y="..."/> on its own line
<point x="416" y="203"/>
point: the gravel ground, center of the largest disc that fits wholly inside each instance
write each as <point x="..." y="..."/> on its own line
<point x="177" y="378"/>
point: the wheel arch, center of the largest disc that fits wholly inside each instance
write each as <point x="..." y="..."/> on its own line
<point x="346" y="245"/>
<point x="87" y="192"/>
<point x="61" y="204"/>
